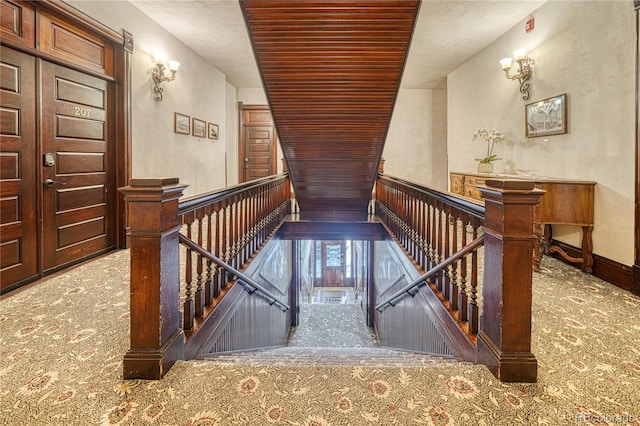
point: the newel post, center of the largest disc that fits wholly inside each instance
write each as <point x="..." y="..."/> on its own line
<point x="504" y="341"/>
<point x="157" y="339"/>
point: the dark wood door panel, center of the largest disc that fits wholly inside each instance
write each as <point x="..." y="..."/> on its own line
<point x="79" y="128"/>
<point x="80" y="198"/>
<point x="9" y="121"/>
<point x="74" y="45"/>
<point x="257" y="143"/>
<point x="80" y="232"/>
<point x="77" y="205"/>
<point x="80" y="94"/>
<point x="18" y="187"/>
<point x="72" y="163"/>
<point x="257" y="117"/>
<point x="18" y="22"/>
<point x="333" y="263"/>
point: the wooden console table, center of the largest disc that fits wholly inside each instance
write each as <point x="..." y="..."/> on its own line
<point x="566" y="202"/>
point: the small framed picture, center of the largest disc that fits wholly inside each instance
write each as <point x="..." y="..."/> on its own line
<point x="213" y="131"/>
<point x="199" y="128"/>
<point x="546" y="117"/>
<point x="182" y="124"/>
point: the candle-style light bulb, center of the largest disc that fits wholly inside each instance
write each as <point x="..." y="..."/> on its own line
<point x="505" y="63"/>
<point x="519" y="54"/>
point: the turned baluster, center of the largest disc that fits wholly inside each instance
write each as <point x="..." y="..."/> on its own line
<point x="429" y="235"/>
<point x="233" y="232"/>
<point x="224" y="247"/>
<point x="260" y="210"/>
<point x="210" y="286"/>
<point x="254" y="220"/>
<point x="414" y="219"/>
<point x="218" y="250"/>
<point x="473" y="300"/>
<point x="463" y="299"/>
<point x="189" y="303"/>
<point x="438" y="253"/>
<point x="424" y="230"/>
<point x="245" y="232"/>
<point x="446" y="278"/>
<point x="453" y="291"/>
<point x="199" y="294"/>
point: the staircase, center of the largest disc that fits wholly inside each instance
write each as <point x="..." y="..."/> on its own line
<point x="331" y="335"/>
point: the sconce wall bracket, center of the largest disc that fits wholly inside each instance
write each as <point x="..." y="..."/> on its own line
<point x="158" y="76"/>
<point x="523" y="75"/>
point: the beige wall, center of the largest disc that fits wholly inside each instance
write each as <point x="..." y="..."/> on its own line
<point x="199" y="91"/>
<point x="232" y="135"/>
<point x="584" y="49"/>
<point x="415" y="148"/>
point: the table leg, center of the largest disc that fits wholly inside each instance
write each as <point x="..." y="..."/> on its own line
<point x="587" y="249"/>
<point x="538" y="233"/>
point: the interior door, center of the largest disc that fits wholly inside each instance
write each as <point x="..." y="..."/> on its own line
<point x="333" y="263"/>
<point x="18" y="187"/>
<point x="78" y="179"/>
<point x="257" y="143"/>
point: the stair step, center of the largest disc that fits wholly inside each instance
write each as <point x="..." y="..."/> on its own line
<point x="332" y="356"/>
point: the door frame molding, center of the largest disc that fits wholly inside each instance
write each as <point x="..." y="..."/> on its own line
<point x="635" y="280"/>
<point x="242" y="143"/>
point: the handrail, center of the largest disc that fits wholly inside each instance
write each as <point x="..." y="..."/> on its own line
<point x="242" y="278"/>
<point x="193" y="203"/>
<point x="396" y="281"/>
<point x="407" y="289"/>
<point x="470" y="207"/>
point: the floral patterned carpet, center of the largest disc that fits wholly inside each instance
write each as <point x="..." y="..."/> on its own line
<point x="63" y="339"/>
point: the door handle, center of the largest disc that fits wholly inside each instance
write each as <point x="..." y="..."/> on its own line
<point x="50" y="182"/>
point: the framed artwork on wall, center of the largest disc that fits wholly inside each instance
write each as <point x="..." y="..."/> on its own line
<point x="182" y="124"/>
<point x="199" y="128"/>
<point x="213" y="131"/>
<point x="546" y="117"/>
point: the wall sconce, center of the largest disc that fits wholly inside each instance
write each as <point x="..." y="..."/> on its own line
<point x="524" y="73"/>
<point x="157" y="74"/>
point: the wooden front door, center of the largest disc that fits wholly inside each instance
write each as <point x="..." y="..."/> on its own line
<point x="257" y="143"/>
<point x="57" y="167"/>
<point x="333" y="262"/>
<point x="18" y="185"/>
<point x="78" y="177"/>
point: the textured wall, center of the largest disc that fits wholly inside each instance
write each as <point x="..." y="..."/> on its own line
<point x="198" y="91"/>
<point x="415" y="148"/>
<point x="584" y="49"/>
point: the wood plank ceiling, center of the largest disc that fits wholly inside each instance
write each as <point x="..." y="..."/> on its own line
<point x="331" y="71"/>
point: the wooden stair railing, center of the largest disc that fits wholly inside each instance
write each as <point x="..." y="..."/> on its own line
<point x="249" y="284"/>
<point x="447" y="264"/>
<point x="232" y="224"/>
<point x="431" y="225"/>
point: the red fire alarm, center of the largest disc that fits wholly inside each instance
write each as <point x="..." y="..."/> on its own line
<point x="529" y="24"/>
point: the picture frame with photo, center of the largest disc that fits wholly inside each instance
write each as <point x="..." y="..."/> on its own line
<point x="213" y="131"/>
<point x="546" y="117"/>
<point x="199" y="128"/>
<point x="182" y="124"/>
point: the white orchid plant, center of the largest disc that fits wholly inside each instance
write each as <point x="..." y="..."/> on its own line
<point x="491" y="137"/>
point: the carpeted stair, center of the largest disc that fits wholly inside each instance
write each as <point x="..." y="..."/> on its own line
<point x="331" y="335"/>
<point x="332" y="356"/>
